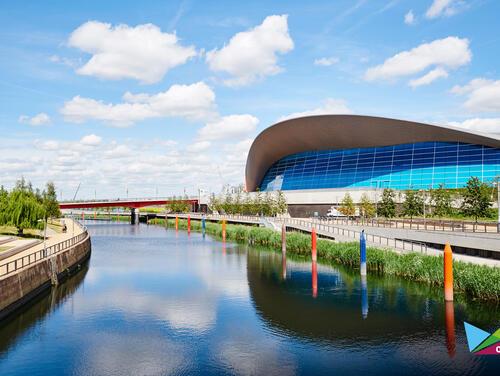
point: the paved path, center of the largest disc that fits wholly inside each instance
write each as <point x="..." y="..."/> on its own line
<point x="53" y="239"/>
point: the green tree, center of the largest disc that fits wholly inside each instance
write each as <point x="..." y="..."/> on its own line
<point x="441" y="200"/>
<point x="347" y="206"/>
<point x="50" y="203"/>
<point x="281" y="203"/>
<point x="387" y="207"/>
<point x="413" y="204"/>
<point x="257" y="203"/>
<point x="476" y="198"/>
<point x="23" y="210"/>
<point x="367" y="207"/>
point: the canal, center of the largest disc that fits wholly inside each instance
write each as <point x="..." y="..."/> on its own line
<point x="155" y="302"/>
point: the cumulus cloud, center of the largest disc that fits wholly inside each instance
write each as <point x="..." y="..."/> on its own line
<point x="199" y="146"/>
<point x="484" y="125"/>
<point x="40" y="119"/>
<point x="228" y="127"/>
<point x="252" y="54"/>
<point x="143" y="52"/>
<point x="330" y="106"/>
<point x="446" y="8"/>
<point x="482" y="95"/>
<point x="326" y="61"/>
<point x="410" y="18"/>
<point x="193" y="102"/>
<point x="91" y="140"/>
<point x="449" y="53"/>
<point x="426" y="79"/>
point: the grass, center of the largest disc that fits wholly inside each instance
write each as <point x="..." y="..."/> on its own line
<point x="27" y="233"/>
<point x="4" y="248"/>
<point x="476" y="281"/>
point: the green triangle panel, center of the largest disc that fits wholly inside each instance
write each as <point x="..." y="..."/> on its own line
<point x="488" y="342"/>
<point x="474" y="335"/>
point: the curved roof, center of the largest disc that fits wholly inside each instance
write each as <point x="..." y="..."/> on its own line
<point x="325" y="132"/>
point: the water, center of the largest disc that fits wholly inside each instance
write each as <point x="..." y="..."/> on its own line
<point x="155" y="302"/>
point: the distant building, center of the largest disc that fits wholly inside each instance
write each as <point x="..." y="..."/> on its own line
<point x="333" y="154"/>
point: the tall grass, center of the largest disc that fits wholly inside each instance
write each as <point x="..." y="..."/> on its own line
<point x="476" y="281"/>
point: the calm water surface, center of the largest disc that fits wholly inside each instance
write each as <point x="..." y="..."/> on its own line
<point x="153" y="302"/>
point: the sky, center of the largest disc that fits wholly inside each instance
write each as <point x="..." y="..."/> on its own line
<point x="161" y="98"/>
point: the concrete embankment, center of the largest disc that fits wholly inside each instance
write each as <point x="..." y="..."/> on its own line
<point x="41" y="271"/>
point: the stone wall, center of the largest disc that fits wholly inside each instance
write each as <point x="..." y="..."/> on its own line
<point x="25" y="284"/>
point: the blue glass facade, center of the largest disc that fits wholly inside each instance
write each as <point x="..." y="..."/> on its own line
<point x="421" y="165"/>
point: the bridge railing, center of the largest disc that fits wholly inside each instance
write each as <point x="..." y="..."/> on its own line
<point x="129" y="199"/>
<point x="10" y="267"/>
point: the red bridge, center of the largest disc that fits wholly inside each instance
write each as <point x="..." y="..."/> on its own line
<point x="133" y="203"/>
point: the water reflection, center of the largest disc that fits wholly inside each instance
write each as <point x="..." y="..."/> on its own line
<point x="364" y="296"/>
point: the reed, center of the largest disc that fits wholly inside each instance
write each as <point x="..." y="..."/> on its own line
<point x="476" y="281"/>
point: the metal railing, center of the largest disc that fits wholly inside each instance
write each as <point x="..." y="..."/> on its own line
<point x="328" y="229"/>
<point x="12" y="266"/>
<point x="430" y="224"/>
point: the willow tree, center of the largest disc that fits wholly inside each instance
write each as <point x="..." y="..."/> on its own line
<point x="23" y="210"/>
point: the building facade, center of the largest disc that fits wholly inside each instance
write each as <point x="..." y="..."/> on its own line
<point x="361" y="152"/>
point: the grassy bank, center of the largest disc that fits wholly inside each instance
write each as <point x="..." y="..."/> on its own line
<point x="476" y="281"/>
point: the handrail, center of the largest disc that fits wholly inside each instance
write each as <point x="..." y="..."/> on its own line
<point x="12" y="266"/>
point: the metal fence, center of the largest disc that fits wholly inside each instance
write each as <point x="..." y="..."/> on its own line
<point x="419" y="224"/>
<point x="328" y="229"/>
<point x="12" y="266"/>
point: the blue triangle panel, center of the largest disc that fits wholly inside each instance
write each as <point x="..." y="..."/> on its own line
<point x="474" y="335"/>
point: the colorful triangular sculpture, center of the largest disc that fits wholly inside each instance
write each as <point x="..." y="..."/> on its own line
<point x="475" y="336"/>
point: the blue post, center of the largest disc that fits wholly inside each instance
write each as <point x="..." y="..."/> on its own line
<point x="203" y="226"/>
<point x="362" y="251"/>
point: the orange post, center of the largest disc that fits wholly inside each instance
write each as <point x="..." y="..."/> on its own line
<point x="450" y="328"/>
<point x="176" y="223"/>
<point x="314" y="279"/>
<point x="95" y="215"/>
<point x="189" y="224"/>
<point x="313" y="245"/>
<point x="448" y="273"/>
<point x="83" y="216"/>
<point x="223" y="230"/>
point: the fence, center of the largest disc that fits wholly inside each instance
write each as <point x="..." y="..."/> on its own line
<point x="12" y="266"/>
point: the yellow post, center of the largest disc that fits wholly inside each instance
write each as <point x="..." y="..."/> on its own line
<point x="448" y="273"/>
<point x="224" y="230"/>
<point x="176" y="223"/>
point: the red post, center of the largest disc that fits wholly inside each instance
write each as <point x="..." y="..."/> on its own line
<point x="189" y="224"/>
<point x="448" y="273"/>
<point x="313" y="245"/>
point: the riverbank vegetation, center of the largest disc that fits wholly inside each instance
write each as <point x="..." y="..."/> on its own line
<point x="476" y="281"/>
<point x="25" y="208"/>
<point x="268" y="204"/>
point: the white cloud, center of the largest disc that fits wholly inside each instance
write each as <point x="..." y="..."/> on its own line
<point x="330" y="106"/>
<point x="443" y="8"/>
<point x="47" y="145"/>
<point x="451" y="53"/>
<point x="482" y="95"/>
<point x="199" y="146"/>
<point x="40" y="119"/>
<point x="485" y="125"/>
<point x="228" y="127"/>
<point x="118" y="151"/>
<point x="91" y="140"/>
<point x="326" y="61"/>
<point x="142" y="52"/>
<point x="410" y="18"/>
<point x="252" y="54"/>
<point x="193" y="102"/>
<point x="426" y="79"/>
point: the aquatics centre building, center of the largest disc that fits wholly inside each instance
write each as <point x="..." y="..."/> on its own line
<point x="310" y="156"/>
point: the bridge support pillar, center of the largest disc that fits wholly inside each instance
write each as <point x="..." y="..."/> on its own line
<point x="134" y="216"/>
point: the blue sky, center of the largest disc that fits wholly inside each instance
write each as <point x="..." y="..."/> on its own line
<point x="166" y="96"/>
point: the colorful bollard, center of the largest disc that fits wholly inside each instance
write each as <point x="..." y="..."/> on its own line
<point x="448" y="273"/>
<point x="176" y="223"/>
<point x="203" y="226"/>
<point x="364" y="297"/>
<point x="189" y="224"/>
<point x="283" y="240"/>
<point x="313" y="245"/>
<point x="224" y="230"/>
<point x="362" y="253"/>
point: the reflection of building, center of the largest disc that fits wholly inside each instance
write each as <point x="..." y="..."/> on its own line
<point x="361" y="153"/>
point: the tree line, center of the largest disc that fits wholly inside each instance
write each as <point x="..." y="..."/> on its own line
<point x="475" y="201"/>
<point x="268" y="204"/>
<point x="24" y="207"/>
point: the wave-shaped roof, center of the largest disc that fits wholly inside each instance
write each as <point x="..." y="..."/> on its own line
<point x="325" y="132"/>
